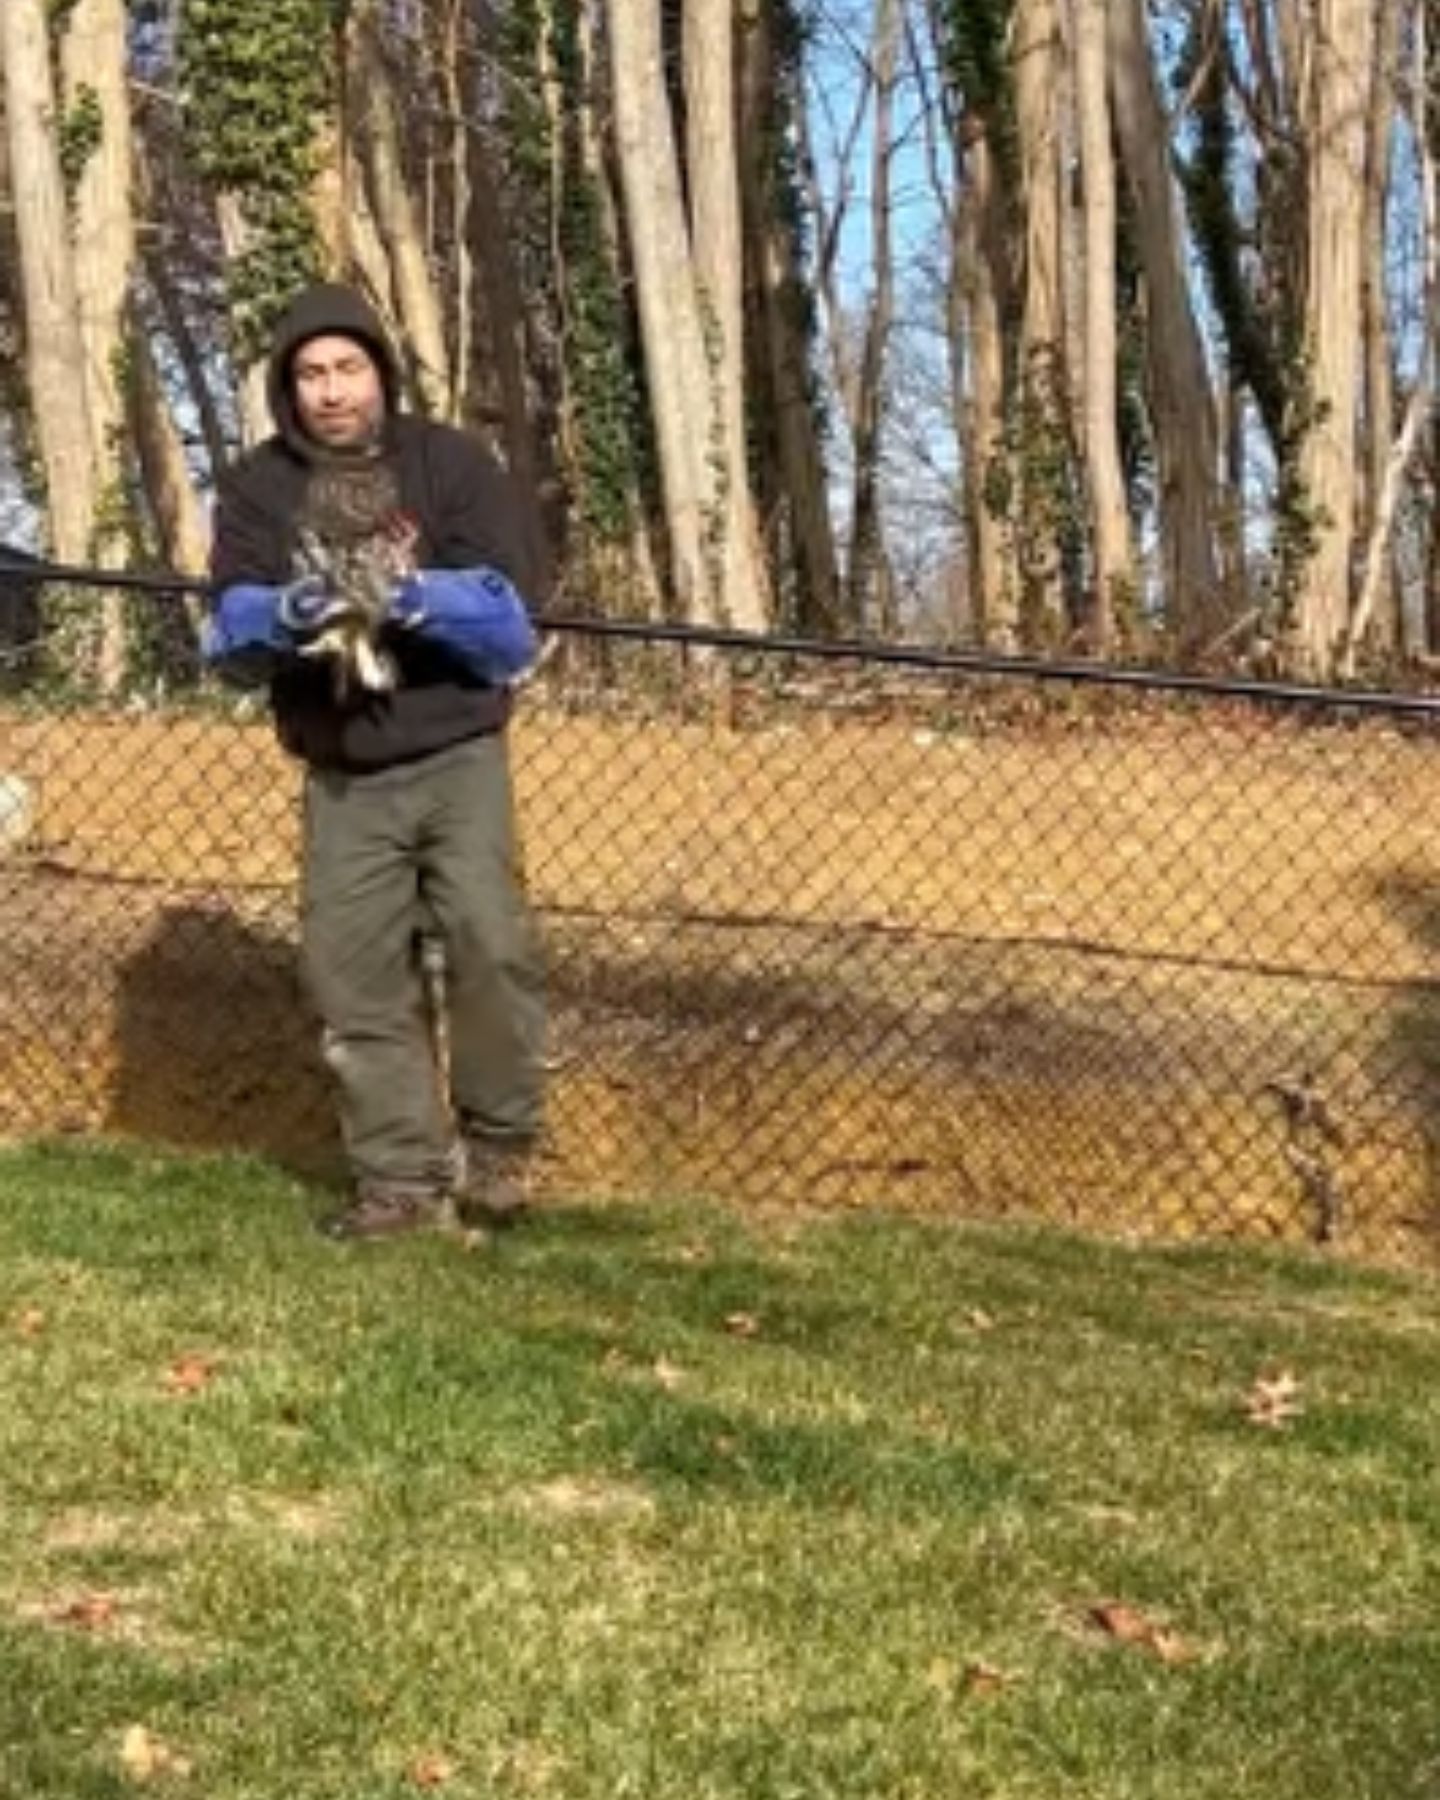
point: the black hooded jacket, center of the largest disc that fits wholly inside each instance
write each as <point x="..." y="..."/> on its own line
<point x="467" y="515"/>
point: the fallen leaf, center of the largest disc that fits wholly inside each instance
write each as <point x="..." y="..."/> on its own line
<point x="1274" y="1400"/>
<point x="143" y="1756"/>
<point x="89" y="1612"/>
<point x="431" y="1771"/>
<point x="190" y="1374"/>
<point x="742" y="1324"/>
<point x="977" y="1319"/>
<point x="30" y="1322"/>
<point x="667" y="1373"/>
<point x="1171" y="1648"/>
<point x="1128" y="1625"/>
<point x="983" y="1679"/>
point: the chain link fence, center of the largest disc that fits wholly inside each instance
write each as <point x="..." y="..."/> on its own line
<point x="824" y="927"/>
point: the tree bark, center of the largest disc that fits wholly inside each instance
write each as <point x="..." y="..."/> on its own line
<point x="782" y="351"/>
<point x="93" y="62"/>
<point x="671" y="329"/>
<point x="1112" y="568"/>
<point x="54" y="347"/>
<point x="1338" y="105"/>
<point x="868" y="574"/>
<point x="174" y="504"/>
<point x="709" y="68"/>
<point x="254" y="406"/>
<point x="400" y="224"/>
<point x="1038" y="65"/>
<point x="1181" y="400"/>
<point x="1378" y="580"/>
<point x="992" y="568"/>
<point x="1382" y="606"/>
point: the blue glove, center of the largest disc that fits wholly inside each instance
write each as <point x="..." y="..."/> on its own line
<point x="474" y="614"/>
<point x="306" y="607"/>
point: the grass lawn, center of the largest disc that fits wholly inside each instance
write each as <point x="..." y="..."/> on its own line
<point x="686" y="1504"/>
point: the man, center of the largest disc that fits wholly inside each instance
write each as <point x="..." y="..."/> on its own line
<point x="408" y="815"/>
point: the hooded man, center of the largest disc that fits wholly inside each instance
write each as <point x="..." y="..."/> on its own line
<point x="408" y="809"/>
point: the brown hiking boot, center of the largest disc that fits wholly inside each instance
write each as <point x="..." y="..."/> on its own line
<point x="494" y="1189"/>
<point x="381" y="1212"/>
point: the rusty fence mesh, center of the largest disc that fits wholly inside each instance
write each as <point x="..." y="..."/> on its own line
<point x="822" y="928"/>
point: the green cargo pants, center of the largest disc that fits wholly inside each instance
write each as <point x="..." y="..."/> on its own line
<point x="425" y="844"/>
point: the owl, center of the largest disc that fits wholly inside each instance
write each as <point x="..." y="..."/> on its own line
<point x="364" y="572"/>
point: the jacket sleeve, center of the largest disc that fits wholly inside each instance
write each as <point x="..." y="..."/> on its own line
<point x="476" y="616"/>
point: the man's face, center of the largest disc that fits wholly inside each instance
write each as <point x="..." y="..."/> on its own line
<point x="339" y="396"/>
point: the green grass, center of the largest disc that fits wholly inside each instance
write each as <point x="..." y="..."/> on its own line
<point x="535" y="1511"/>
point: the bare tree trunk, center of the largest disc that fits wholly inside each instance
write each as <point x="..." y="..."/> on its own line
<point x="195" y="367"/>
<point x="783" y="357"/>
<point x="93" y="55"/>
<point x="54" y="347"/>
<point x="179" y="519"/>
<point x="1378" y="578"/>
<point x="1037" y="53"/>
<point x="671" y="325"/>
<point x="709" y="56"/>
<point x="93" y="63"/>
<point x="1109" y="516"/>
<point x="454" y="63"/>
<point x="236" y="237"/>
<point x="1383" y="609"/>
<point x="1339" y="102"/>
<point x="368" y="255"/>
<point x="400" y="222"/>
<point x="1182" y="403"/>
<point x="992" y="569"/>
<point x="330" y="201"/>
<point x="868" y="575"/>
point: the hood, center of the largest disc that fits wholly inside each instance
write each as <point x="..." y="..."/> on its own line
<point x="324" y="310"/>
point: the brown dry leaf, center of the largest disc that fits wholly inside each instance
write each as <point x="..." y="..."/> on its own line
<point x="431" y="1771"/>
<point x="1171" y="1648"/>
<point x="668" y="1374"/>
<point x="1128" y="1625"/>
<point x="742" y="1324"/>
<point x="977" y="1319"/>
<point x="983" y="1679"/>
<point x="30" y="1322"/>
<point x="143" y="1756"/>
<point x="190" y="1374"/>
<point x="1274" y="1400"/>
<point x="976" y="1679"/>
<point x="88" y="1612"/>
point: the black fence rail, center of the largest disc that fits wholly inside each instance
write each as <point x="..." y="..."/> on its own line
<point x="825" y="926"/>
